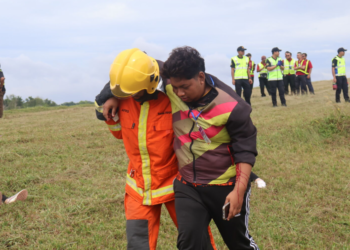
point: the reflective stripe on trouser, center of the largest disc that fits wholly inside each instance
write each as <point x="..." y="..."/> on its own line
<point x="2" y="93"/>
<point x="142" y="225"/>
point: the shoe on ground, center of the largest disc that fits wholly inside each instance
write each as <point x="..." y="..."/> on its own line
<point x="263" y="96"/>
<point x="284" y="104"/>
<point x="260" y="183"/>
<point x="20" y="196"/>
<point x="337" y="101"/>
<point x="275" y="105"/>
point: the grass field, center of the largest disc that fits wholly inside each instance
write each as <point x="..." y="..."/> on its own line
<point x="74" y="171"/>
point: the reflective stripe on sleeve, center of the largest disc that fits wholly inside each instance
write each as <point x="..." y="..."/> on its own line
<point x="98" y="108"/>
<point x="146" y="162"/>
<point x="115" y="127"/>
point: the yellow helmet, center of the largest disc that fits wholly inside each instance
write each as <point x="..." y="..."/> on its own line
<point x="132" y="71"/>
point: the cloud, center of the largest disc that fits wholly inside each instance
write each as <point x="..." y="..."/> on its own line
<point x="152" y="49"/>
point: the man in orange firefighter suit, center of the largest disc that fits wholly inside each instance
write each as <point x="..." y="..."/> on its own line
<point x="143" y="119"/>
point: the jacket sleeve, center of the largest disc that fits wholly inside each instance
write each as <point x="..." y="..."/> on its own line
<point x="100" y="99"/>
<point x="243" y="134"/>
<point x="115" y="128"/>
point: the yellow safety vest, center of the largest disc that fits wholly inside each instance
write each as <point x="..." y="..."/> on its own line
<point x="264" y="69"/>
<point x="306" y="66"/>
<point x="289" y="67"/>
<point x="340" y="68"/>
<point x="241" y="67"/>
<point x="275" y="74"/>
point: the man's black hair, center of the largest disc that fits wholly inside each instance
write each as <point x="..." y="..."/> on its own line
<point x="289" y="52"/>
<point x="184" y="63"/>
<point x="305" y="54"/>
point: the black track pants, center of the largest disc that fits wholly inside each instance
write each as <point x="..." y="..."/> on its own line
<point x="197" y="206"/>
<point x="243" y="83"/>
<point x="274" y="85"/>
<point x="342" y="84"/>
<point x="263" y="83"/>
<point x="301" y="84"/>
<point x="289" y="82"/>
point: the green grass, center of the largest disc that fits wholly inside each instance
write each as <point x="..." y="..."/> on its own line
<point x="74" y="171"/>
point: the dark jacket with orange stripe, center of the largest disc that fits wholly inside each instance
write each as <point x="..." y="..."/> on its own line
<point x="225" y="119"/>
<point x="146" y="130"/>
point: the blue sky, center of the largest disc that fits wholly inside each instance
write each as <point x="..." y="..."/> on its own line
<point x="62" y="50"/>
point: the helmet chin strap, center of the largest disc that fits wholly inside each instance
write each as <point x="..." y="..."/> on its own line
<point x="147" y="97"/>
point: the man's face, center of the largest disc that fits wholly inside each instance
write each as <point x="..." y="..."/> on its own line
<point x="303" y="57"/>
<point x="299" y="56"/>
<point x="288" y="56"/>
<point x="342" y="53"/>
<point x="241" y="52"/>
<point x="276" y="53"/>
<point x="263" y="59"/>
<point x="250" y="57"/>
<point x="189" y="90"/>
<point x="139" y="95"/>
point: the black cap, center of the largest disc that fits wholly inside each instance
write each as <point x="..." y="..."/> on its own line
<point x="341" y="49"/>
<point x="248" y="54"/>
<point x="275" y="49"/>
<point x="241" y="48"/>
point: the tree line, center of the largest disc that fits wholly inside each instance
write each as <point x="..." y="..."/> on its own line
<point x="17" y="102"/>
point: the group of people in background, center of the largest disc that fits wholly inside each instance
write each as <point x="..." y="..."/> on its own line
<point x="289" y="76"/>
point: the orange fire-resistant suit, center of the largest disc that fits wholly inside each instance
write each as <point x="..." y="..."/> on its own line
<point x="147" y="133"/>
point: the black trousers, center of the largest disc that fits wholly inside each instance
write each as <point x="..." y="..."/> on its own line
<point x="244" y="83"/>
<point x="274" y="85"/>
<point x="301" y="84"/>
<point x="264" y="83"/>
<point x="342" y="84"/>
<point x="289" y="81"/>
<point x="197" y="206"/>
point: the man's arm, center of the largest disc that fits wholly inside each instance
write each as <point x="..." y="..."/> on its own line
<point x="249" y="77"/>
<point x="233" y="72"/>
<point x="233" y="76"/>
<point x="243" y="137"/>
<point x="254" y="67"/>
<point x="269" y="67"/>
<point x="334" y="64"/>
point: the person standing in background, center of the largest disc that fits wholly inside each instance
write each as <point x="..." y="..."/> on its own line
<point x="2" y="92"/>
<point x="339" y="75"/>
<point x="275" y="77"/>
<point x="289" y="73"/>
<point x="252" y="69"/>
<point x="241" y="74"/>
<point x="308" y="77"/>
<point x="261" y="69"/>
<point x="301" y="66"/>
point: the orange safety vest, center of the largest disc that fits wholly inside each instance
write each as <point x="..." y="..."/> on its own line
<point x="148" y="137"/>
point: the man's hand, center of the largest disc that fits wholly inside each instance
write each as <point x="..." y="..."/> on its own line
<point x="233" y="81"/>
<point x="110" y="104"/>
<point x="335" y="80"/>
<point x="236" y="197"/>
<point x="302" y="67"/>
<point x="308" y="76"/>
<point x="236" y="201"/>
<point x="250" y="81"/>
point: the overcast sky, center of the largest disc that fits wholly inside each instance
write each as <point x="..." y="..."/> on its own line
<point x="62" y="50"/>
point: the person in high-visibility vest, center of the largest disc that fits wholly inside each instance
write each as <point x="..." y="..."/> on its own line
<point x="275" y="76"/>
<point x="2" y="92"/>
<point x="339" y="75"/>
<point x="252" y="69"/>
<point x="142" y="118"/>
<point x="289" y="74"/>
<point x="308" y="75"/>
<point x="261" y="69"/>
<point x="301" y="67"/>
<point x="240" y="73"/>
